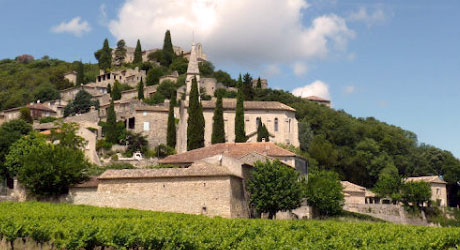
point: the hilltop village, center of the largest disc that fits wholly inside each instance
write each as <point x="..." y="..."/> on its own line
<point x="192" y="139"/>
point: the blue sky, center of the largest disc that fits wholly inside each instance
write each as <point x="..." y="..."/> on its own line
<point x="398" y="61"/>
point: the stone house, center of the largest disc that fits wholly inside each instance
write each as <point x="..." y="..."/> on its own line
<point x="126" y="76"/>
<point x="353" y="194"/>
<point x="37" y="111"/>
<point x="172" y="77"/>
<point x="71" y="77"/>
<point x="150" y="121"/>
<point x="438" y="188"/>
<point x="203" y="188"/>
<point x="264" y="83"/>
<point x="129" y="58"/>
<point x="319" y="100"/>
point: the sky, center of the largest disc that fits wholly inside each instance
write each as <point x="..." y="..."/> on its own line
<point x="397" y="61"/>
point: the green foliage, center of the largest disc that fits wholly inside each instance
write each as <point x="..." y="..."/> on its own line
<point x="416" y="193"/>
<point x="140" y="90"/>
<point x="195" y="121"/>
<point x="46" y="169"/>
<point x="206" y="68"/>
<point x="274" y="187"/>
<point x="10" y="132"/>
<point x="225" y="93"/>
<point x="138" y="53"/>
<point x="171" y="131"/>
<point x="85" y="227"/>
<point x="114" y="131"/>
<point x="262" y="132"/>
<point x="218" y="126"/>
<point x="120" y="52"/>
<point x="305" y="135"/>
<point x="167" y="89"/>
<point x="168" y="50"/>
<point x="104" y="56"/>
<point x="46" y="92"/>
<point x="136" y="143"/>
<point x="239" y="83"/>
<point x="116" y="91"/>
<point x="324" y="192"/>
<point x="24" y="114"/>
<point x="80" y="74"/>
<point x="47" y="119"/>
<point x="224" y="78"/>
<point x="240" y="133"/>
<point x="259" y="83"/>
<point x="389" y="183"/>
<point x="153" y="75"/>
<point x="180" y="65"/>
<point x="157" y="98"/>
<point x="67" y="136"/>
<point x="81" y="104"/>
<point x="103" y="144"/>
<point x="323" y="152"/>
<point x="163" y="151"/>
<point x="247" y="87"/>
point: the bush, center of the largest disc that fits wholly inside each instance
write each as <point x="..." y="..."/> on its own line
<point x="163" y="151"/>
<point x="103" y="144"/>
<point x="48" y="119"/>
<point x="324" y="192"/>
<point x="416" y="193"/>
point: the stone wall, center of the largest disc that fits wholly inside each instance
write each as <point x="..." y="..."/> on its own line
<point x="153" y="124"/>
<point x="211" y="196"/>
<point x="388" y="212"/>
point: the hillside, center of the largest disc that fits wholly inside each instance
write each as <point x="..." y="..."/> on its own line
<point x="357" y="148"/>
<point x="22" y="82"/>
<point x="77" y="227"/>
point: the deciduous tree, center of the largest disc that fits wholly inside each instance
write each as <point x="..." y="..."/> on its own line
<point x="324" y="192"/>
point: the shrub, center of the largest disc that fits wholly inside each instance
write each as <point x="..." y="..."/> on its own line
<point x="324" y="192"/>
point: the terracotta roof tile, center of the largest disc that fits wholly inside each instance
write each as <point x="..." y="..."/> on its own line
<point x="429" y="179"/>
<point x="197" y="169"/>
<point x="234" y="150"/>
<point x="230" y="103"/>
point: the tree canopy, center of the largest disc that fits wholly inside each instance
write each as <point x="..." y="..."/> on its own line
<point x="138" y="53"/>
<point x="104" y="56"/>
<point x="324" y="192"/>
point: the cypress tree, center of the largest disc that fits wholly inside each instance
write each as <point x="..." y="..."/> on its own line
<point x="218" y="129"/>
<point x="80" y="74"/>
<point x="259" y="83"/>
<point x="109" y="89"/>
<point x="140" y="90"/>
<point x="120" y="52"/>
<point x="240" y="133"/>
<point x="168" y="50"/>
<point x="171" y="133"/>
<point x="138" y="53"/>
<point x="239" y="83"/>
<point x="116" y="91"/>
<point x="195" y="121"/>
<point x="111" y="134"/>
<point x="247" y="87"/>
<point x="262" y="132"/>
<point x="104" y="56"/>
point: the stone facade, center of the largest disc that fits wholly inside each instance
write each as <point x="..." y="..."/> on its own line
<point x="71" y="77"/>
<point x="438" y="188"/>
<point x="126" y="76"/>
<point x="264" y="83"/>
<point x="151" y="121"/>
<point x="353" y="194"/>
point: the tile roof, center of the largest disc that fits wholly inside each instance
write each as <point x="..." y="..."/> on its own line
<point x="159" y="108"/>
<point x="318" y="99"/>
<point x="234" y="150"/>
<point x="351" y="187"/>
<point x="39" y="106"/>
<point x="429" y="179"/>
<point x="230" y="103"/>
<point x="197" y="169"/>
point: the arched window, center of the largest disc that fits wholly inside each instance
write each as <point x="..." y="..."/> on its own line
<point x="276" y="124"/>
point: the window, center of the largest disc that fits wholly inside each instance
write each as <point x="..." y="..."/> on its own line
<point x="438" y="191"/>
<point x="146" y="126"/>
<point x="276" y="124"/>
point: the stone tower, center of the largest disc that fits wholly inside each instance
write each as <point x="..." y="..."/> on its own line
<point x="192" y="71"/>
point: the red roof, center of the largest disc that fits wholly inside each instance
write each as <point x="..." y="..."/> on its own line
<point x="317" y="99"/>
<point x="235" y="150"/>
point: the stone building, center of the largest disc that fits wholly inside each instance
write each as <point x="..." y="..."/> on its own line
<point x="129" y="58"/>
<point x="264" y="83"/>
<point x="319" y="100"/>
<point x="126" y="76"/>
<point x="150" y="121"/>
<point x="37" y="111"/>
<point x="353" y="194"/>
<point x="172" y="77"/>
<point x="438" y="188"/>
<point x="71" y="77"/>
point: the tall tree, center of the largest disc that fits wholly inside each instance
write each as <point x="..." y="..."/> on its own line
<point x="195" y="122"/>
<point x="80" y="74"/>
<point x="140" y="90"/>
<point x="262" y="132"/>
<point x="259" y="83"/>
<point x="104" y="56"/>
<point x="120" y="52"/>
<point x="109" y="88"/>
<point x="247" y="87"/>
<point x="324" y="192"/>
<point x="81" y="104"/>
<point x="274" y="187"/>
<point x="218" y="128"/>
<point x="168" y="50"/>
<point x="239" y="83"/>
<point x="25" y="115"/>
<point x="111" y="133"/>
<point x="171" y="132"/>
<point x="138" y="53"/>
<point x="10" y="132"/>
<point x="240" y="133"/>
<point x="116" y="91"/>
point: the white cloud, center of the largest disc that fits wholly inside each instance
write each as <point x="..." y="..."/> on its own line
<point x="75" y="26"/>
<point x="363" y="15"/>
<point x="253" y="32"/>
<point x="349" y="89"/>
<point x="300" y="68"/>
<point x="316" y="88"/>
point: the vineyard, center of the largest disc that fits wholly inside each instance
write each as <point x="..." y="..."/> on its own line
<point x="76" y="227"/>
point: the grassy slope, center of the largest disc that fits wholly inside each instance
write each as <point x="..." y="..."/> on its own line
<point x="75" y="227"/>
